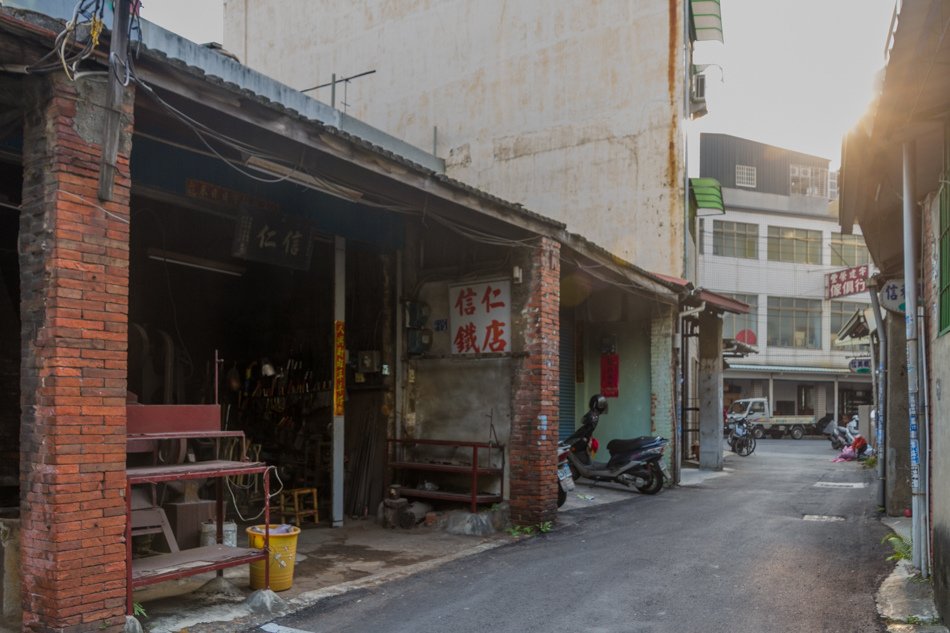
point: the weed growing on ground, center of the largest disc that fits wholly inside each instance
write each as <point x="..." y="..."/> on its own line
<point x="530" y="530"/>
<point x="902" y="547"/>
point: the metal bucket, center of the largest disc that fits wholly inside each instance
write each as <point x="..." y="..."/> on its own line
<point x="209" y="533"/>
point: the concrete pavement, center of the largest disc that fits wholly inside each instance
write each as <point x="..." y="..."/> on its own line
<point x="363" y="557"/>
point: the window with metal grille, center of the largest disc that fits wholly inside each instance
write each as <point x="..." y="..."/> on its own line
<point x="794" y="322"/>
<point x="808" y="181"/>
<point x="796" y="246"/>
<point x="832" y="185"/>
<point x="745" y="176"/>
<point x="848" y="250"/>
<point x="734" y="324"/>
<point x="735" y="239"/>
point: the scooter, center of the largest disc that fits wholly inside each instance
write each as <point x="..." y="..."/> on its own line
<point x="635" y="462"/>
<point x="565" y="478"/>
<point x="841" y="436"/>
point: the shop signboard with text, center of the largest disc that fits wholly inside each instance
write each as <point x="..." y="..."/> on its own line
<point x="847" y="282"/>
<point x="480" y="317"/>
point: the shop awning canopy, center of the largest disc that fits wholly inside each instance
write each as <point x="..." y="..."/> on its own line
<point x="737" y="349"/>
<point x="706" y="20"/>
<point x="790" y="369"/>
<point x="857" y="330"/>
<point x="707" y="192"/>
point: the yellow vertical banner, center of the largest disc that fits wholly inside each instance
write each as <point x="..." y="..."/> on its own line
<point x="339" y="367"/>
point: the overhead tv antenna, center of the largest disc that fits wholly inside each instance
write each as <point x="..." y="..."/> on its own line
<point x="341" y="80"/>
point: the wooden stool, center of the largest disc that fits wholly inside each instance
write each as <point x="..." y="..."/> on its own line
<point x="299" y="503"/>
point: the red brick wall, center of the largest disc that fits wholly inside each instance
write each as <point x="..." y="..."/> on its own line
<point x="74" y="311"/>
<point x="532" y="450"/>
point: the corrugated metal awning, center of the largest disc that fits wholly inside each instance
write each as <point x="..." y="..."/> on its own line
<point x="707" y="20"/>
<point x="790" y="369"/>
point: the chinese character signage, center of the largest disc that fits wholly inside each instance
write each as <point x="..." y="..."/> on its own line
<point x="847" y="282"/>
<point x="610" y="375"/>
<point x="223" y="196"/>
<point x="893" y="297"/>
<point x="270" y="238"/>
<point x="860" y="365"/>
<point x="339" y="367"/>
<point x="480" y="317"/>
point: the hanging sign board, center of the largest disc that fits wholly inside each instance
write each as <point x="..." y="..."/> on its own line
<point x="480" y="317"/>
<point x="860" y="365"/>
<point x="270" y="238"/>
<point x="339" y="367"/>
<point x="847" y="282"/>
<point x="610" y="375"/>
<point x="892" y="296"/>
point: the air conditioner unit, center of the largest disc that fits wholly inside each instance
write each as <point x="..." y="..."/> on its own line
<point x="698" y="91"/>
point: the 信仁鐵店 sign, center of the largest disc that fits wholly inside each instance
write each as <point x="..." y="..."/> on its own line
<point x="480" y="317"/>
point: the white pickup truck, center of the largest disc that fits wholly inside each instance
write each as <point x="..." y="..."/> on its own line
<point x="756" y="412"/>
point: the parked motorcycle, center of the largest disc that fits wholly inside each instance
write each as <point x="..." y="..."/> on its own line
<point x="635" y="462"/>
<point x="741" y="438"/>
<point x="565" y="478"/>
<point x="841" y="436"/>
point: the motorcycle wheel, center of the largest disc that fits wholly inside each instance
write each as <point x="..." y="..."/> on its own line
<point x="561" y="495"/>
<point x="654" y="482"/>
<point x="575" y="474"/>
<point x="746" y="446"/>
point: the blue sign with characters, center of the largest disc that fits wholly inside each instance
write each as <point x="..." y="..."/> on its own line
<point x="860" y="365"/>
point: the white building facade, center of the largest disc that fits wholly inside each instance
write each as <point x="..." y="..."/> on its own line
<point x="778" y="248"/>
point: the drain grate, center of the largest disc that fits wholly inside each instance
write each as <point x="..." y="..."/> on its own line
<point x="839" y="484"/>
<point x="826" y="518"/>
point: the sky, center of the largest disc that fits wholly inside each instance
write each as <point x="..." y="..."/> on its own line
<point x="793" y="74"/>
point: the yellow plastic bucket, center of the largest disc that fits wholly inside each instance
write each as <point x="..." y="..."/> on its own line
<point x="283" y="550"/>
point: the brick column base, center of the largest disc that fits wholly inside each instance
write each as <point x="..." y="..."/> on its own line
<point x="74" y="258"/>
<point x="534" y="422"/>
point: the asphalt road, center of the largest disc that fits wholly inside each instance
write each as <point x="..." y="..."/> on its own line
<point x="733" y="554"/>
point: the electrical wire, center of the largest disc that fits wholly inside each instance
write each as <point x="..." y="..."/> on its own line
<point x="112" y="215"/>
<point x="271" y="496"/>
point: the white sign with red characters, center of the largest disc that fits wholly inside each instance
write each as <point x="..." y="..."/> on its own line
<point x="847" y="282"/>
<point x="480" y="317"/>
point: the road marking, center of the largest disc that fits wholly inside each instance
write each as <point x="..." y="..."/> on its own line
<point x="276" y="628"/>
<point x="838" y="484"/>
<point x="822" y="517"/>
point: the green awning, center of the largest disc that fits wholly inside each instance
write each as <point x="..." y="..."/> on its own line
<point x="706" y="20"/>
<point x="707" y="192"/>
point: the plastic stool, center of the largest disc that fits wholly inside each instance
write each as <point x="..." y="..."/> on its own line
<point x="299" y="503"/>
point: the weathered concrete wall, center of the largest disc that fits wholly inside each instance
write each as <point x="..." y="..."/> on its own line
<point x="897" y="496"/>
<point x="453" y="397"/>
<point x="939" y="370"/>
<point x="663" y="383"/>
<point x="571" y="108"/>
<point x="710" y="392"/>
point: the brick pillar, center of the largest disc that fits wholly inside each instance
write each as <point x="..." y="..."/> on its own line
<point x="534" y="422"/>
<point x="74" y="308"/>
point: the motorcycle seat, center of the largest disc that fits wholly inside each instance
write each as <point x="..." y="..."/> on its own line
<point x="623" y="446"/>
